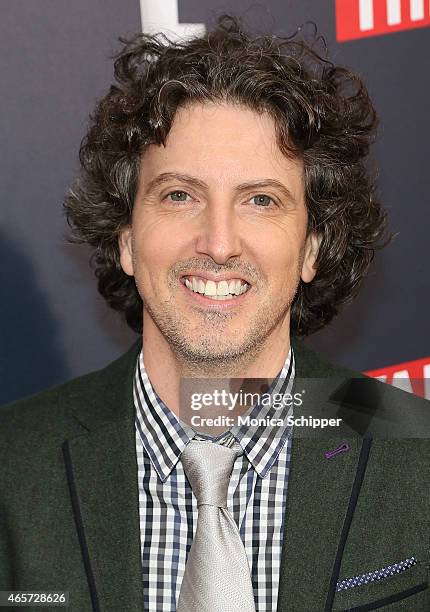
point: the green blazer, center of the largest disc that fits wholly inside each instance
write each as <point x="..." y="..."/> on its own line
<point x="69" y="498"/>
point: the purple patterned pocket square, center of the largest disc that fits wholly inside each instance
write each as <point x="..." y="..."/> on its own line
<point x="380" y="574"/>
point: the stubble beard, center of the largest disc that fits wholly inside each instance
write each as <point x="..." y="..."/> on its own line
<point x="214" y="348"/>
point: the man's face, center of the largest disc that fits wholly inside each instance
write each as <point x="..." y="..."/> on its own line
<point x="221" y="210"/>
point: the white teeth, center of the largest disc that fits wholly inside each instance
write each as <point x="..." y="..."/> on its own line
<point x="210" y="288"/>
<point x="222" y="290"/>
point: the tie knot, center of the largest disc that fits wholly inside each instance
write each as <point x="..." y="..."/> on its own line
<point x="208" y="467"/>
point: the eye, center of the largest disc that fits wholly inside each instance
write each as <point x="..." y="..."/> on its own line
<point x="177" y="196"/>
<point x="262" y="200"/>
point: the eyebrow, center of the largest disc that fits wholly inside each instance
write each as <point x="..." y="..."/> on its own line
<point x="199" y="184"/>
<point x="165" y="177"/>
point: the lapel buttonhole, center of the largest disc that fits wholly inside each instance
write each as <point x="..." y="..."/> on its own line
<point x="340" y="449"/>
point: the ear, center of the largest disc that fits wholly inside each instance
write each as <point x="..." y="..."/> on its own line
<point x="312" y="246"/>
<point x="125" y="243"/>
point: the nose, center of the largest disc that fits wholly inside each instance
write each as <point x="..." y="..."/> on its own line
<point x="219" y="236"/>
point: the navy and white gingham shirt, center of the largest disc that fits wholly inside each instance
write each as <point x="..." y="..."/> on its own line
<point x="168" y="508"/>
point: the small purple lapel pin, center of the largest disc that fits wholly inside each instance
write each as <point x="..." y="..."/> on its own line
<point x="340" y="449"/>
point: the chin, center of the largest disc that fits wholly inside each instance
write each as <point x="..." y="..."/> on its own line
<point x="211" y="351"/>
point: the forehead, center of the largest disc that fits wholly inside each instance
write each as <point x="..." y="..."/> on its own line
<point x="223" y="142"/>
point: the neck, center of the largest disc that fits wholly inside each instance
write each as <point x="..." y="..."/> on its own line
<point x="165" y="367"/>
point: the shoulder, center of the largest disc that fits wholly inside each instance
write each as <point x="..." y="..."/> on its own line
<point x="310" y="363"/>
<point x="389" y="411"/>
<point x="52" y="409"/>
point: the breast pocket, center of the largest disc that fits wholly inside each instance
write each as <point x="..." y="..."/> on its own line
<point x="407" y="591"/>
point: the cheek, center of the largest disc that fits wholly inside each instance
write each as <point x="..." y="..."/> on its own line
<point x="277" y="253"/>
<point x="159" y="245"/>
<point x="151" y="237"/>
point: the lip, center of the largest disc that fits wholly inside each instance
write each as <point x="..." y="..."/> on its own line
<point x="211" y="304"/>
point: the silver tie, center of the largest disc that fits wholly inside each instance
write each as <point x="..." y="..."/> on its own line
<point x="217" y="576"/>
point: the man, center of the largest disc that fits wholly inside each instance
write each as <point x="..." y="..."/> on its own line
<point x="224" y="191"/>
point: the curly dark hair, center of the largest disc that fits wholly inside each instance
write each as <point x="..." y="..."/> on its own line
<point x="322" y="114"/>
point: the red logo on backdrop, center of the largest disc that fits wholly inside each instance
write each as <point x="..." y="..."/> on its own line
<point x="412" y="376"/>
<point x="362" y="18"/>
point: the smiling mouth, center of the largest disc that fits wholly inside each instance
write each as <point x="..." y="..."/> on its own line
<point x="220" y="290"/>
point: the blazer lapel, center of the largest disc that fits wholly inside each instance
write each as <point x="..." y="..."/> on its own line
<point x="101" y="470"/>
<point x="320" y="503"/>
<point x="321" y="498"/>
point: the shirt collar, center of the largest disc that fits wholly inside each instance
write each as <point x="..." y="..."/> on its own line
<point x="164" y="436"/>
<point x="262" y="443"/>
